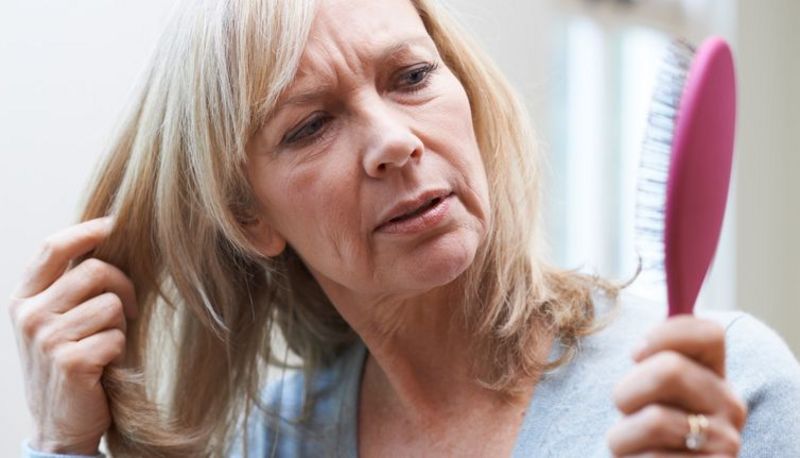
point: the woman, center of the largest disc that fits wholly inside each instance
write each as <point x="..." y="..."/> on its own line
<point x="356" y="173"/>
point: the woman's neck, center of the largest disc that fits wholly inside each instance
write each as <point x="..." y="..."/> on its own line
<point x="421" y="362"/>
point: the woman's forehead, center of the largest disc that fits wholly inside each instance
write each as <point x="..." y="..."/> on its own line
<point x="359" y="26"/>
<point x="359" y="13"/>
<point x="351" y="36"/>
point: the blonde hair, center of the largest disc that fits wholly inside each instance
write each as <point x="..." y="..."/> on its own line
<point x="208" y="300"/>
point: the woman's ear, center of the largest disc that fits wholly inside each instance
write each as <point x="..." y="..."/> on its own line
<point x="263" y="235"/>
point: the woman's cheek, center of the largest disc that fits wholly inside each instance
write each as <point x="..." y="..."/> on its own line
<point x="329" y="215"/>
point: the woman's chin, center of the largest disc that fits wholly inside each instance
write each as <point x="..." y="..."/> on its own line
<point x="440" y="262"/>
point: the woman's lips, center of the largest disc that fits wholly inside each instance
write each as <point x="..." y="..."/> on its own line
<point x="424" y="218"/>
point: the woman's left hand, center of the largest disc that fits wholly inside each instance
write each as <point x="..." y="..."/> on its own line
<point x="678" y="388"/>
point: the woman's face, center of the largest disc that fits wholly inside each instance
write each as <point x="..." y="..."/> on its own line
<point x="373" y="120"/>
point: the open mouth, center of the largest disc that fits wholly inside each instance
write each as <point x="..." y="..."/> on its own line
<point x="421" y="217"/>
<point x="422" y="209"/>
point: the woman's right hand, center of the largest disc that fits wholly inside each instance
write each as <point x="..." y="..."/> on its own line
<point x="70" y="324"/>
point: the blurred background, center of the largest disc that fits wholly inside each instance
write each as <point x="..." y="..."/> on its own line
<point x="585" y="69"/>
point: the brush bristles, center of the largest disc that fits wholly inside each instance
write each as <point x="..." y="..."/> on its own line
<point x="654" y="166"/>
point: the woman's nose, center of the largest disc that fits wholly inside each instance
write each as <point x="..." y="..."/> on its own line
<point x="391" y="144"/>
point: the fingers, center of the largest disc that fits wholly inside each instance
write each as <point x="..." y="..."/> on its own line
<point x="57" y="251"/>
<point x="680" y="371"/>
<point x="103" y="348"/>
<point x="672" y="379"/>
<point x="701" y="340"/>
<point x="90" y="355"/>
<point x="659" y="427"/>
<point x="90" y="278"/>
<point x="49" y="334"/>
<point x="98" y="313"/>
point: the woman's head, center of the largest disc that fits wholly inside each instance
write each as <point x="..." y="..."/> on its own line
<point x="238" y="209"/>
<point x="374" y="119"/>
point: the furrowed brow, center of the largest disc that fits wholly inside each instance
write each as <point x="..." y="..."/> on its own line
<point x="387" y="54"/>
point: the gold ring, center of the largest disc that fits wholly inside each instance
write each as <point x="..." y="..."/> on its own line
<point x="697" y="436"/>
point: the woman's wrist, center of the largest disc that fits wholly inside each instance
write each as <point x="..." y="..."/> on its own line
<point x="29" y="452"/>
<point x="44" y="444"/>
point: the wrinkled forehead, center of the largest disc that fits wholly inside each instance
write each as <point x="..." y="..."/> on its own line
<point x="354" y="32"/>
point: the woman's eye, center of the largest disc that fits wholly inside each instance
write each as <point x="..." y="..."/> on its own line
<point x="307" y="130"/>
<point x="413" y="81"/>
<point x="418" y="78"/>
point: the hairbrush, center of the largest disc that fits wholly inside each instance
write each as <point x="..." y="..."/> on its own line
<point x="685" y="169"/>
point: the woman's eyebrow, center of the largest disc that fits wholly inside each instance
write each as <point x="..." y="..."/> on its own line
<point x="405" y="45"/>
<point x="319" y="90"/>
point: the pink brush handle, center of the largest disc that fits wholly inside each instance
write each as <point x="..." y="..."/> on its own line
<point x="699" y="173"/>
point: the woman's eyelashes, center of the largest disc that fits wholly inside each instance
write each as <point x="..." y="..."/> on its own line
<point x="424" y="73"/>
<point x="307" y="130"/>
<point x="412" y="81"/>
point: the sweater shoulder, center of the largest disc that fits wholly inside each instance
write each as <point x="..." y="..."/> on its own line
<point x="766" y="374"/>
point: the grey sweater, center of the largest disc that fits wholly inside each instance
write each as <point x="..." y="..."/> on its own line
<point x="572" y="407"/>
